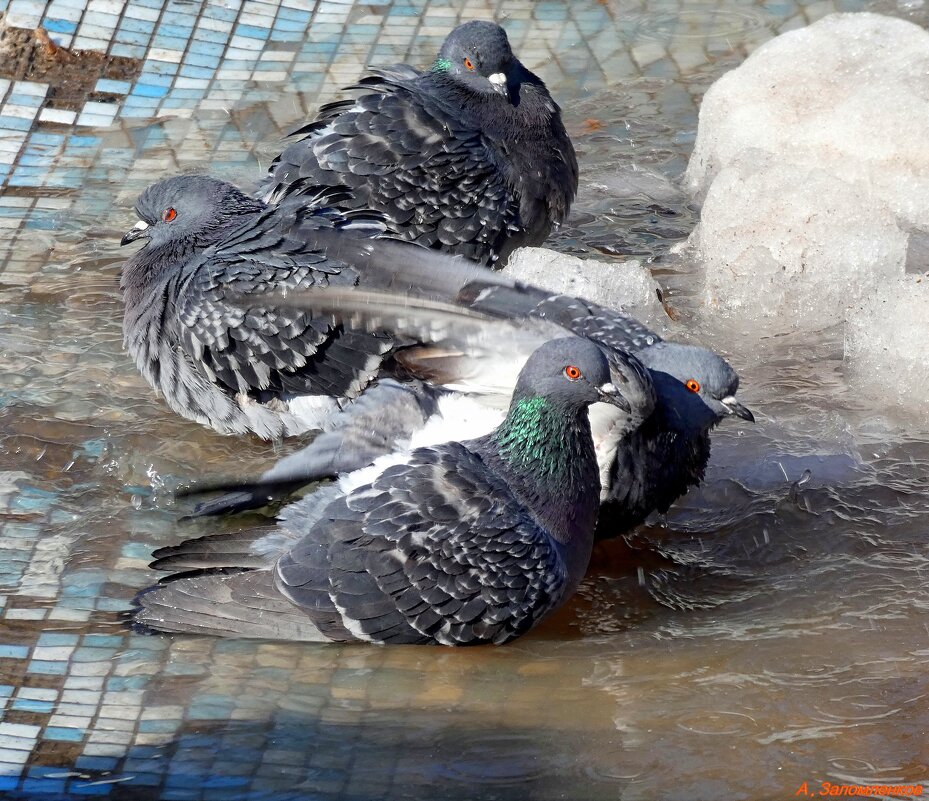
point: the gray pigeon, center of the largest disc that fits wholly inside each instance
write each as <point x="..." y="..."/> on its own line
<point x="245" y="365"/>
<point x="460" y="543"/>
<point x="470" y="157"/>
<point x="472" y="342"/>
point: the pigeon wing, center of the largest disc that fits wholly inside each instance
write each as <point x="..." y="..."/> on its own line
<point x="436" y="549"/>
<point x="263" y="351"/>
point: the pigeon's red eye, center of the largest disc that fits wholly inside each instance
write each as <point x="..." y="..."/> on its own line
<point x="169" y="214"/>
<point x="572" y="373"/>
<point x="692" y="385"/>
<point x="469" y="64"/>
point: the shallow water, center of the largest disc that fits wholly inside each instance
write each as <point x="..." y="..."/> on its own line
<point x="769" y="631"/>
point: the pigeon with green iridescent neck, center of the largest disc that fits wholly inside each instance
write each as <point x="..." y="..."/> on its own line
<point x="459" y="543"/>
<point x="470" y="157"/>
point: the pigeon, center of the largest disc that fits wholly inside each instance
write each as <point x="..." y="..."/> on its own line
<point x="460" y="543"/>
<point x="476" y="331"/>
<point x="245" y="367"/>
<point x="470" y="157"/>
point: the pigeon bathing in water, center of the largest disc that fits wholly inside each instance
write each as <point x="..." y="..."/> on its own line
<point x="197" y="322"/>
<point x="472" y="337"/>
<point x="459" y="543"/>
<point x="470" y="157"/>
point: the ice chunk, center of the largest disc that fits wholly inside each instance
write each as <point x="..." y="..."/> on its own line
<point x="793" y="244"/>
<point x="628" y="285"/>
<point x="812" y="164"/>
<point x="848" y="94"/>
<point x="885" y="342"/>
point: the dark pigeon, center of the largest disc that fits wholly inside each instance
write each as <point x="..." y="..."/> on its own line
<point x="470" y="157"/>
<point x="460" y="543"/>
<point x="197" y="322"/>
<point x="489" y="321"/>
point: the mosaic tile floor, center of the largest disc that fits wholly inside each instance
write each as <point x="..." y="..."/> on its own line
<point x="146" y="88"/>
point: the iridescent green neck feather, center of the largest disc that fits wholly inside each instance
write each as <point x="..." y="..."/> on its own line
<point x="533" y="436"/>
<point x="441" y="65"/>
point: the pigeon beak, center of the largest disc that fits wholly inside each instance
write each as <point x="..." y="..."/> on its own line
<point x="498" y="82"/>
<point x="609" y="393"/>
<point x="736" y="408"/>
<point x="138" y="230"/>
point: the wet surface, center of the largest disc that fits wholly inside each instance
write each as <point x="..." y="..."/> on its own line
<point x="770" y="631"/>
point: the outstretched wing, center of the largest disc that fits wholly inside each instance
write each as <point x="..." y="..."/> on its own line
<point x="248" y="347"/>
<point x="404" y="150"/>
<point x="435" y="549"/>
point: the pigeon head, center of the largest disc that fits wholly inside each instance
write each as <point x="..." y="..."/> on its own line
<point x="697" y="385"/>
<point x="187" y="207"/>
<point x="569" y="374"/>
<point x="478" y="55"/>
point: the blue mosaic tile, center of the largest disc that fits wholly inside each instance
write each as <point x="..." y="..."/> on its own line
<point x="148" y="90"/>
<point x="62" y="734"/>
<point x="188" y="71"/>
<point x="104" y="788"/>
<point x="48" y="668"/>
<point x="96" y="763"/>
<point x="59" y="26"/>
<point x="54" y="638"/>
<point x="28" y="705"/>
<point x="14" y="123"/>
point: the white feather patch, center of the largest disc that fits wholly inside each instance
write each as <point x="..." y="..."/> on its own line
<point x="458" y="418"/>
<point x="606" y="421"/>
<point x="313" y="410"/>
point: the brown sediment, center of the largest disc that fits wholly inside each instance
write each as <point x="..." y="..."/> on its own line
<point x="32" y="55"/>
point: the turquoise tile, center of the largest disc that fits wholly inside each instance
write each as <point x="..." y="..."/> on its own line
<point x="63" y="734"/>
<point x="59" y="25"/>
<point x="113" y="87"/>
<point x="202" y="60"/>
<point x="188" y="71"/>
<point x="294" y="15"/>
<point x="143" y="26"/>
<point x="181" y="32"/>
<point x="207" y="48"/>
<point x="48" y="668"/>
<point x="29" y="705"/>
<point x="153" y="75"/>
<point x="159" y="726"/>
<point x="133" y="38"/>
<point x="147" y="90"/>
<point x="14" y="123"/>
<point x="54" y="638"/>
<point x="252" y="32"/>
<point x="119" y="683"/>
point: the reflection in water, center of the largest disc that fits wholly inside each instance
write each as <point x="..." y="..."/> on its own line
<point x="770" y="630"/>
